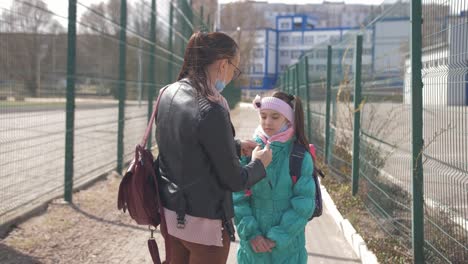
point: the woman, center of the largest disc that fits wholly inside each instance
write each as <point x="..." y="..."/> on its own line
<point x="199" y="158"/>
<point x="272" y="215"/>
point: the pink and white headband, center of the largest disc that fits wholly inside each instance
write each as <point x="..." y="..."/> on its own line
<point x="276" y="104"/>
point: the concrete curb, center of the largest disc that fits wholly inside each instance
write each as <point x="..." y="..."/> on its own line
<point x="350" y="234"/>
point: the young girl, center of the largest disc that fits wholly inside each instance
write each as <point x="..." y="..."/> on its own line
<point x="272" y="215"/>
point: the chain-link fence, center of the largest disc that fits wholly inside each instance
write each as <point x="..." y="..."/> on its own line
<point x="402" y="145"/>
<point x="77" y="86"/>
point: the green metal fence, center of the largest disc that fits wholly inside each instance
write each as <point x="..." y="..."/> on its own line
<point x="77" y="87"/>
<point x="388" y="110"/>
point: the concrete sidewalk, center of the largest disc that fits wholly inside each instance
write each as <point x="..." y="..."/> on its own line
<point x="92" y="230"/>
<point x="325" y="242"/>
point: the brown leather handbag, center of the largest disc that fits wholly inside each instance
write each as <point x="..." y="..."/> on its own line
<point x="139" y="193"/>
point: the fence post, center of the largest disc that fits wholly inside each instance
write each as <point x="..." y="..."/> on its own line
<point x="307" y="99"/>
<point x="291" y="81"/>
<point x="202" y="21"/>
<point x="171" y="50"/>
<point x="417" y="136"/>
<point x="286" y="81"/>
<point x="297" y="83"/>
<point x="70" y="107"/>
<point x="122" y="84"/>
<point x="327" y="113"/>
<point x="357" y="112"/>
<point x="151" y="68"/>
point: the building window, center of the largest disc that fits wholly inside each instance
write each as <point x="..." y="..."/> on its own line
<point x="367" y="51"/>
<point x="321" y="54"/>
<point x="284" y="53"/>
<point x="296" y="40"/>
<point x="321" y="38"/>
<point x="334" y="39"/>
<point x="295" y="54"/>
<point x="258" y="67"/>
<point x="257" y="82"/>
<point x="283" y="67"/>
<point x="258" y="53"/>
<point x="284" y="40"/>
<point x="285" y="25"/>
<point x="298" y="26"/>
<point x="366" y="68"/>
<point x="308" y="40"/>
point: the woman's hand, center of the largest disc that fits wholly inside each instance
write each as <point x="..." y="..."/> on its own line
<point x="261" y="244"/>
<point x="247" y="146"/>
<point x="264" y="155"/>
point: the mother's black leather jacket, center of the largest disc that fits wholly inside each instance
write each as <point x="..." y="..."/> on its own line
<point x="198" y="159"/>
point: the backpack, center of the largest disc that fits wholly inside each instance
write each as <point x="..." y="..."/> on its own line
<point x="139" y="192"/>
<point x="295" y="168"/>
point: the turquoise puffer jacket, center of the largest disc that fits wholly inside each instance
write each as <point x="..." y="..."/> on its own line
<point x="277" y="210"/>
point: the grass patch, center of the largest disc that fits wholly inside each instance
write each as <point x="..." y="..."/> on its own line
<point x="386" y="248"/>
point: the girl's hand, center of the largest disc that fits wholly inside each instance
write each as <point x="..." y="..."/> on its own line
<point x="261" y="244"/>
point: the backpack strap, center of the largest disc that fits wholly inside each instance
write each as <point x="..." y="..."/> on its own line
<point x="295" y="161"/>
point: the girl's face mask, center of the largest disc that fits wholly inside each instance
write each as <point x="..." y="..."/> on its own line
<point x="283" y="128"/>
<point x="272" y="122"/>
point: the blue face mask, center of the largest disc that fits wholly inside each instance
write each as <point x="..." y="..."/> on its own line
<point x="220" y="84"/>
<point x="283" y="128"/>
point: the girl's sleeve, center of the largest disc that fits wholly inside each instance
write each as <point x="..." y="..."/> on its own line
<point x="295" y="219"/>
<point x="246" y="224"/>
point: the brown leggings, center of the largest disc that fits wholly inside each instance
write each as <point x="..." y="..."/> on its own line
<point x="183" y="252"/>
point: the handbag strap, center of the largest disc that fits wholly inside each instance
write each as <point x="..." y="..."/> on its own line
<point x="153" y="116"/>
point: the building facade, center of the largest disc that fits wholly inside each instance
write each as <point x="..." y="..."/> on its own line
<point x="328" y="14"/>
<point x="294" y="36"/>
<point x="444" y="68"/>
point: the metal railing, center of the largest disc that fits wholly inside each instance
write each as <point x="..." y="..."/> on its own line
<point x="388" y="110"/>
<point x="77" y="88"/>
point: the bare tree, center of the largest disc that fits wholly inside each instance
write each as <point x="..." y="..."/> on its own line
<point x="101" y="18"/>
<point x="240" y="20"/>
<point x="31" y="28"/>
<point x="209" y="10"/>
<point x="98" y="42"/>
